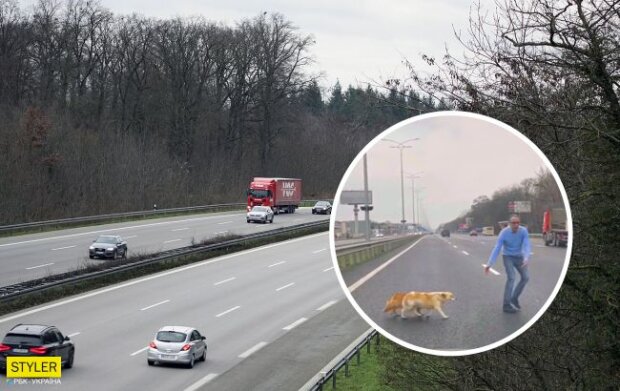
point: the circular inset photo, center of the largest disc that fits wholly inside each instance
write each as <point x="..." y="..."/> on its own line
<point x="451" y="233"/>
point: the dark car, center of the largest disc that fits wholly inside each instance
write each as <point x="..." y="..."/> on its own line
<point x="322" y="207"/>
<point x="473" y="232"/>
<point x="36" y="340"/>
<point x="108" y="246"/>
<point x="445" y="233"/>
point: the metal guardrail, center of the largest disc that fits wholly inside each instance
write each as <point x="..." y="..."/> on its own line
<point x="145" y="213"/>
<point x="96" y="218"/>
<point x="344" y="362"/>
<point x="358" y="253"/>
<point x="16" y="290"/>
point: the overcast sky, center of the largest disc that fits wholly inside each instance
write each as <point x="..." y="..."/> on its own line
<point x="356" y="41"/>
<point x="457" y="159"/>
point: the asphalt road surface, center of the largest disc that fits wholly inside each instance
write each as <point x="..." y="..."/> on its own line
<point x="27" y="257"/>
<point x="241" y="302"/>
<point x="455" y="264"/>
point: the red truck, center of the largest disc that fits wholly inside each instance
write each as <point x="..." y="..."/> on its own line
<point x="554" y="227"/>
<point x="281" y="194"/>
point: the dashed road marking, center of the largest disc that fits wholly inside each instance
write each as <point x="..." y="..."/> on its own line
<point x="38" y="266"/>
<point x="63" y="248"/>
<point x="285" y="286"/>
<point x="224" y="281"/>
<point x="154" y="305"/>
<point x="326" y="305"/>
<point x="227" y="311"/>
<point x="253" y="350"/>
<point x="294" y="324"/>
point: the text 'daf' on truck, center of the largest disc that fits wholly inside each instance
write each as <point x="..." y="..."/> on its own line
<point x="555" y="232"/>
<point x="281" y="194"/>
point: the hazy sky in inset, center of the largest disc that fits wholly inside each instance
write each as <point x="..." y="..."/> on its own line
<point x="456" y="158"/>
<point x="357" y="41"/>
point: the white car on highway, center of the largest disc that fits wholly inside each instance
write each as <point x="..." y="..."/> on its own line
<point x="261" y="214"/>
<point x="177" y="345"/>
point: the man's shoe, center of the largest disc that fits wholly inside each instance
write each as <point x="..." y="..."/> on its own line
<point x="515" y="303"/>
<point x="510" y="310"/>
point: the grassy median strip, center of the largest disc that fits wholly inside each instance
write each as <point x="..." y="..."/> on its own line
<point x="53" y="293"/>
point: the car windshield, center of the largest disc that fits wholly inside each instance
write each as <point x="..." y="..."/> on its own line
<point x="106" y="239"/>
<point x="259" y="209"/>
<point x="258" y="193"/>
<point x="171" y="336"/>
<point x="22" y="339"/>
<point x="322" y="203"/>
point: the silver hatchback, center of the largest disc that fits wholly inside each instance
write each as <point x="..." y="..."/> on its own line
<point x="177" y="345"/>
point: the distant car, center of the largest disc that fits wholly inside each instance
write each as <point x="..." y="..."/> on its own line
<point x="445" y="233"/>
<point x="488" y="231"/>
<point x="322" y="207"/>
<point x="36" y="340"/>
<point x="473" y="232"/>
<point x="261" y="214"/>
<point x="177" y="345"/>
<point x="108" y="246"/>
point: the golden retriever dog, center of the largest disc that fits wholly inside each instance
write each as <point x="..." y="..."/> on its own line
<point x="413" y="302"/>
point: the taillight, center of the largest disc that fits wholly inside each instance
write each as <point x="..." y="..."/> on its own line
<point x="186" y="347"/>
<point x="152" y="345"/>
<point x="4" y="348"/>
<point x="38" y="350"/>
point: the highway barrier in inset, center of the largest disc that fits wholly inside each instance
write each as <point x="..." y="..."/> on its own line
<point x="358" y="253"/>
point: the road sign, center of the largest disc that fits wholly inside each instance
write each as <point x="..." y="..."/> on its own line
<point x="356" y="197"/>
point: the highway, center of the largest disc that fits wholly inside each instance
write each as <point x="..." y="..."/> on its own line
<point x="26" y="257"/>
<point x="242" y="303"/>
<point x="454" y="264"/>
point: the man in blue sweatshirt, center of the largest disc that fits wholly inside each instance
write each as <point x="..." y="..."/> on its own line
<point x="516" y="243"/>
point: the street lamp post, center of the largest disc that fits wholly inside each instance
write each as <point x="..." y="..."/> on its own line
<point x="413" y="198"/>
<point x="400" y="145"/>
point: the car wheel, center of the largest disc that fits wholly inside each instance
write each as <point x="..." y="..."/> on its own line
<point x="204" y="355"/>
<point x="329" y="212"/>
<point x="313" y="211"/>
<point x="69" y="363"/>
<point x="248" y="221"/>
<point x="125" y="254"/>
<point x="271" y="221"/>
<point x="150" y="362"/>
<point x="192" y="361"/>
<point x="91" y="256"/>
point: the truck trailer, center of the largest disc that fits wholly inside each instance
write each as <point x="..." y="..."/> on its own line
<point x="280" y="194"/>
<point x="554" y="229"/>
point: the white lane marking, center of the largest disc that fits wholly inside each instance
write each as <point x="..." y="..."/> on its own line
<point x="285" y="286"/>
<point x="108" y="230"/>
<point x="383" y="266"/>
<point x="297" y="219"/>
<point x="326" y="305"/>
<point x="464" y="252"/>
<point x="180" y="229"/>
<point x="454" y="246"/>
<point x="227" y="311"/>
<point x="492" y="270"/>
<point x="224" y="281"/>
<point x="318" y="251"/>
<point x="253" y="349"/>
<point x="36" y="267"/>
<point x="73" y="334"/>
<point x="224" y="222"/>
<point x="294" y="324"/>
<point x="63" y="248"/>
<point x="328" y="269"/>
<point x="201" y="382"/>
<point x="173" y="240"/>
<point x="156" y="276"/>
<point x="131" y="237"/>
<point x="220" y="233"/>
<point x="276" y="264"/>
<point x="139" y="351"/>
<point x="154" y="305"/>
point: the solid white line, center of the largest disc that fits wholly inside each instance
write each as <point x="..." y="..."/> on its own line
<point x="383" y="266"/>
<point x="225" y="222"/>
<point x="139" y="351"/>
<point x="464" y="252"/>
<point x="131" y="237"/>
<point x="73" y="335"/>
<point x="156" y="276"/>
<point x="36" y="267"/>
<point x="328" y="269"/>
<point x="285" y="286"/>
<point x="326" y="305"/>
<point x="224" y="281"/>
<point x="154" y="305"/>
<point x="180" y="229"/>
<point x="318" y="251"/>
<point x="173" y="240"/>
<point x="63" y="248"/>
<point x="492" y="270"/>
<point x="294" y="324"/>
<point x="108" y="230"/>
<point x="228" y="311"/>
<point x="201" y="382"/>
<point x="253" y="349"/>
<point x="276" y="264"/>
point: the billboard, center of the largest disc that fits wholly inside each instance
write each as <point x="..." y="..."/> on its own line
<point x="355" y="197"/>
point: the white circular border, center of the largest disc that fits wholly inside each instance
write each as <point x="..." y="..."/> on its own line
<point x="455" y="114"/>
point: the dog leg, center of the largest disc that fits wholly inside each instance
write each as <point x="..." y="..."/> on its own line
<point x="438" y="308"/>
